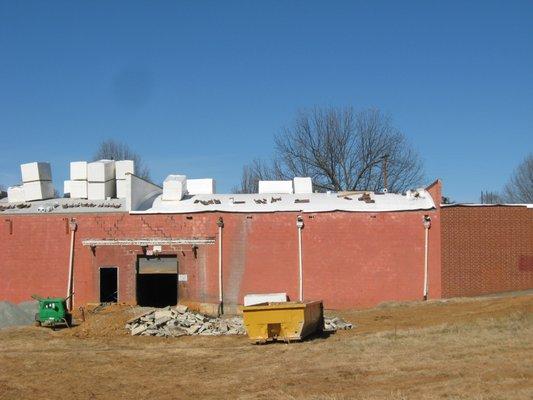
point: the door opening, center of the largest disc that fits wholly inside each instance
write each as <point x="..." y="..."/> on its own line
<point x="108" y="284"/>
<point x="157" y="281"/>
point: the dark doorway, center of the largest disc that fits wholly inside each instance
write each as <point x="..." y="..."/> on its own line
<point x="108" y="285"/>
<point x="157" y="281"/>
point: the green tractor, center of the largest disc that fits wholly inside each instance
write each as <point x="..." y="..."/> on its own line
<point x="53" y="311"/>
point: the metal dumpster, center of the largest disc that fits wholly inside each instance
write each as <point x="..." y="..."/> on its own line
<point x="285" y="321"/>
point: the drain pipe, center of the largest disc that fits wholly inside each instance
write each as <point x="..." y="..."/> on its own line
<point x="427" y="224"/>
<point x="300" y="225"/>
<point x="220" y="224"/>
<point x="73" y="226"/>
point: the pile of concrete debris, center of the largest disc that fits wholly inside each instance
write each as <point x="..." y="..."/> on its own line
<point x="179" y="321"/>
<point x="332" y="324"/>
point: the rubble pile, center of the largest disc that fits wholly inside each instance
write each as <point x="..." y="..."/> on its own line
<point x="335" y="324"/>
<point x="178" y="321"/>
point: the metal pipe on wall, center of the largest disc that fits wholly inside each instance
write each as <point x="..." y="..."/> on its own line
<point x="427" y="225"/>
<point x="300" y="225"/>
<point x="73" y="226"/>
<point x="220" y="224"/>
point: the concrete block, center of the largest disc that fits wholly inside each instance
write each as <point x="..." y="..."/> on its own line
<point x="101" y="190"/>
<point x="182" y="309"/>
<point x="123" y="167"/>
<point x="162" y="320"/>
<point x="162" y="314"/>
<point x="78" y="189"/>
<point x="15" y="194"/>
<point x="303" y="185"/>
<point x="275" y="187"/>
<point x="138" y="330"/>
<point x="36" y="171"/>
<point x="38" y="190"/>
<point x="174" y="187"/>
<point x="78" y="170"/>
<point x="193" y="329"/>
<point x="201" y="186"/>
<point x="101" y="171"/>
<point x="122" y="188"/>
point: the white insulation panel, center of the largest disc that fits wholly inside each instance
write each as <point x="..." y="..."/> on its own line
<point x="36" y="171"/>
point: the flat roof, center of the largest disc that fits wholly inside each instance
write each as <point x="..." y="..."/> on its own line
<point x="62" y="206"/>
<point x="312" y="202"/>
<point x="237" y="203"/>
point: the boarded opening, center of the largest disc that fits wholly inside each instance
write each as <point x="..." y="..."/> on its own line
<point x="157" y="281"/>
<point x="108" y="284"/>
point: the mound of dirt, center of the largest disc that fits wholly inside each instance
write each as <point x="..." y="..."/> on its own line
<point x="108" y="321"/>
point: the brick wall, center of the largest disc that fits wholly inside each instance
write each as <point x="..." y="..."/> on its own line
<point x="486" y="249"/>
<point x="350" y="259"/>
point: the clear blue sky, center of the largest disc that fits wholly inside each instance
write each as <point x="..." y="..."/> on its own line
<point x="200" y="88"/>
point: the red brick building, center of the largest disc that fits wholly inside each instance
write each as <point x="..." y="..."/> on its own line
<point x="349" y="258"/>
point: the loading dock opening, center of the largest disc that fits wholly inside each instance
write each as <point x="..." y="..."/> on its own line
<point x="108" y="284"/>
<point x="157" y="281"/>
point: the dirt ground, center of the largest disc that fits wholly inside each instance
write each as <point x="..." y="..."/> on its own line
<point x="458" y="349"/>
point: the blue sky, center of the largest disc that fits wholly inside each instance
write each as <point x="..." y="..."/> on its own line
<point x="200" y="88"/>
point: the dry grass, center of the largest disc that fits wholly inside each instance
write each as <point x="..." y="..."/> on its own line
<point x="486" y="356"/>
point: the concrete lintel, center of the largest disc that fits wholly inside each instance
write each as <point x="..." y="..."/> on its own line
<point x="148" y="242"/>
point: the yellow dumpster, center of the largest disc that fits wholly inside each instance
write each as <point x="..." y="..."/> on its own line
<point x="285" y="321"/>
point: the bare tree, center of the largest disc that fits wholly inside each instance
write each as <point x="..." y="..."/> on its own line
<point x="113" y="150"/>
<point x="342" y="149"/>
<point x="254" y="172"/>
<point x="519" y="188"/>
<point x="488" y="197"/>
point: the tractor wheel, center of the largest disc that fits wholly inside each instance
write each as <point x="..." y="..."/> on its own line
<point x="37" y="322"/>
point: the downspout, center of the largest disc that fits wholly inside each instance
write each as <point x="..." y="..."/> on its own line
<point x="220" y="224"/>
<point x="73" y="226"/>
<point x="427" y="224"/>
<point x="300" y="225"/>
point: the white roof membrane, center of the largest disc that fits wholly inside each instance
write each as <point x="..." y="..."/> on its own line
<point x="311" y="202"/>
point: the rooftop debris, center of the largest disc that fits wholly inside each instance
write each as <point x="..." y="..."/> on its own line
<point x="8" y="206"/>
<point x="301" y="201"/>
<point x="260" y="201"/>
<point x="366" y="198"/>
<point x="91" y="204"/>
<point x="274" y="199"/>
<point x="207" y="202"/>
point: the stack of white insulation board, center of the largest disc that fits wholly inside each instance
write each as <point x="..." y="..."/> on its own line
<point x="174" y="187"/>
<point x="101" y="180"/>
<point x="77" y="185"/>
<point x="15" y="194"/>
<point x="37" y="181"/>
<point x="303" y="185"/>
<point x="275" y="187"/>
<point x="201" y="186"/>
<point x="122" y="168"/>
